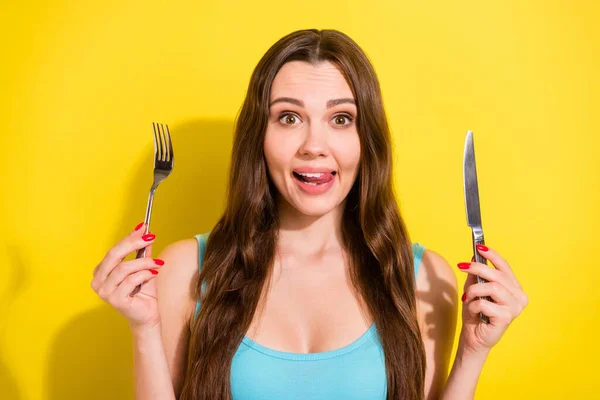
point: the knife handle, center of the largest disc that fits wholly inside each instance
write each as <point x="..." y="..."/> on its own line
<point x="478" y="239"/>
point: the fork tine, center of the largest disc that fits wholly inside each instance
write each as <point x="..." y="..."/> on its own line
<point x="163" y="143"/>
<point x="156" y="141"/>
<point x="160" y="144"/>
<point x="163" y="148"/>
<point x="170" y="146"/>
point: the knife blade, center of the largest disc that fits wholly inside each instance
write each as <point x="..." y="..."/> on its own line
<point x="472" y="207"/>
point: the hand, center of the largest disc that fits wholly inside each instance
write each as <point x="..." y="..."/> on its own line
<point x="115" y="279"/>
<point x="507" y="294"/>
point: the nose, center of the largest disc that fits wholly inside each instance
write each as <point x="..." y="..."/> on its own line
<point x="315" y="142"/>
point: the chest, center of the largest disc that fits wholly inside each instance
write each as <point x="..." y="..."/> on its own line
<point x="309" y="306"/>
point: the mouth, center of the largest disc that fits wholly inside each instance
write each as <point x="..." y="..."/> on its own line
<point x="315" y="183"/>
<point x="316" y="178"/>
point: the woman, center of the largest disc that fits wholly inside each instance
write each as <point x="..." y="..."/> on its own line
<point x="307" y="287"/>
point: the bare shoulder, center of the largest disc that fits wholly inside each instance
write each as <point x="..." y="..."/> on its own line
<point x="437" y="287"/>
<point x="177" y="278"/>
<point x="436" y="273"/>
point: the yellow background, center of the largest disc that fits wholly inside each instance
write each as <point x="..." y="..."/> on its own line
<point x="81" y="83"/>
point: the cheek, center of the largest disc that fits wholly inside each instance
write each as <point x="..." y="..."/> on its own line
<point x="349" y="156"/>
<point x="275" y="154"/>
<point x="269" y="148"/>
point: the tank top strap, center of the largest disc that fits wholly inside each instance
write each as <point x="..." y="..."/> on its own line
<point x="201" y="238"/>
<point x="418" y="251"/>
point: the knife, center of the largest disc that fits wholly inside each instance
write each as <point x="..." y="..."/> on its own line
<point x="472" y="208"/>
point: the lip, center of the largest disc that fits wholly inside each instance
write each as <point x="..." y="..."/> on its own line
<point x="314" y="170"/>
<point x="315" y="189"/>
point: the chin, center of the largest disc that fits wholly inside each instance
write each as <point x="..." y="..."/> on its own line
<point x="315" y="212"/>
<point x="315" y="208"/>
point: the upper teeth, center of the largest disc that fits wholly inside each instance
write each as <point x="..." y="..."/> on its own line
<point x="316" y="175"/>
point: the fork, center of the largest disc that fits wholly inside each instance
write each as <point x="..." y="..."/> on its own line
<point x="163" y="166"/>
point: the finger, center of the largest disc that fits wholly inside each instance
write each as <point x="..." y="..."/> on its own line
<point x="471" y="280"/>
<point x="490" y="275"/>
<point x="497" y="292"/>
<point x="499" y="263"/>
<point x="138" y="231"/>
<point x="119" y="274"/>
<point x="499" y="315"/>
<point x="124" y="290"/>
<point x="116" y="254"/>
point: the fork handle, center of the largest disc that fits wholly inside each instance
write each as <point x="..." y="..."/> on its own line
<point x="142" y="252"/>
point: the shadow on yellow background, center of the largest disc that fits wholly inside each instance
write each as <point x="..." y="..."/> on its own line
<point x="93" y="350"/>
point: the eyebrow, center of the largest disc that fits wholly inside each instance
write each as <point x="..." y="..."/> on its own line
<point x="330" y="103"/>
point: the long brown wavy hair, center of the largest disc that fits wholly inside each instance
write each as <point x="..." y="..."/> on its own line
<point x="240" y="250"/>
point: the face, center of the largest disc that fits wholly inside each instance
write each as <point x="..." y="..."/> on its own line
<point x="312" y="129"/>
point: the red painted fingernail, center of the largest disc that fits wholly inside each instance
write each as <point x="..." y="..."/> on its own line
<point x="464" y="297"/>
<point x="149" y="237"/>
<point x="158" y="261"/>
<point x="139" y="226"/>
<point x="482" y="247"/>
<point x="464" y="265"/>
<point x="154" y="272"/>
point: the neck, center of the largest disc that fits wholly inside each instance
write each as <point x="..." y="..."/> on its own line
<point x="309" y="235"/>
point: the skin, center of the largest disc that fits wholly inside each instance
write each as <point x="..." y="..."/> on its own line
<point x="304" y="131"/>
<point x="316" y="136"/>
<point x="309" y="262"/>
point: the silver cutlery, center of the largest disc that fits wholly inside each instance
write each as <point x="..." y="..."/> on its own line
<point x="472" y="207"/>
<point x="163" y="166"/>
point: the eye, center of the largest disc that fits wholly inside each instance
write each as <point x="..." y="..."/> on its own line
<point x="341" y="118"/>
<point x="289" y="119"/>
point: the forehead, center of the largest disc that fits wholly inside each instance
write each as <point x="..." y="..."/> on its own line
<point x="299" y="78"/>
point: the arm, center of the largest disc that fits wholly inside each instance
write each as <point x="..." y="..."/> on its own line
<point x="151" y="373"/>
<point x="476" y="337"/>
<point x="160" y="352"/>
<point x="464" y="375"/>
<point x="437" y="307"/>
<point x="437" y="300"/>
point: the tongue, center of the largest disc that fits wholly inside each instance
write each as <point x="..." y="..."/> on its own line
<point x="323" y="179"/>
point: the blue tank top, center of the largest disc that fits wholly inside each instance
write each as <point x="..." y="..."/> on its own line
<point x="353" y="372"/>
